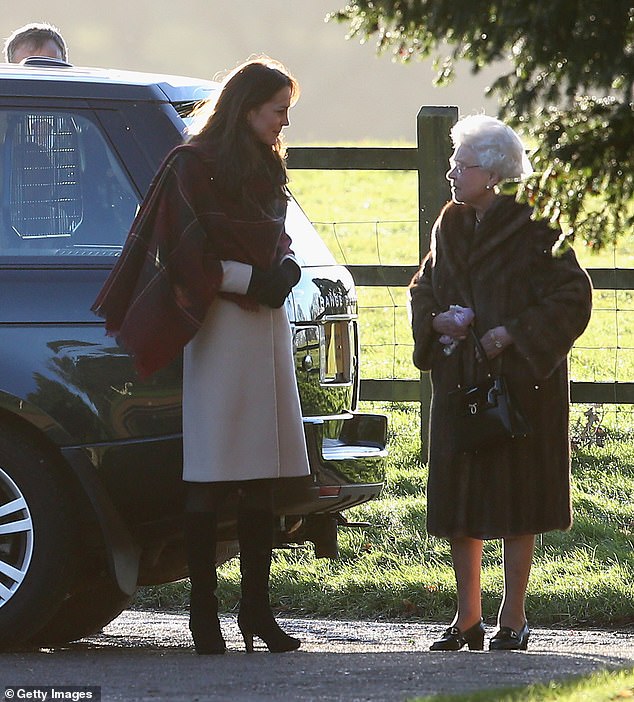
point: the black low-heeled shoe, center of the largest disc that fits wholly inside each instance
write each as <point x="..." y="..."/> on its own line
<point x="453" y="639"/>
<point x="507" y="639"/>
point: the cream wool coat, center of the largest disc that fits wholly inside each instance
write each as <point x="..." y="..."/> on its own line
<point x="241" y="413"/>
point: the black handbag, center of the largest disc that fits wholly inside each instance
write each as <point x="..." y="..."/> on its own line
<point x="485" y="415"/>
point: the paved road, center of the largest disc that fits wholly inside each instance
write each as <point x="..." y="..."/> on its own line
<point x="147" y="656"/>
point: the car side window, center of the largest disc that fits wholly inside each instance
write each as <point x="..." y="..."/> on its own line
<point x="63" y="191"/>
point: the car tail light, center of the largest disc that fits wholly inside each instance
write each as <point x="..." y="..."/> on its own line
<point x="336" y="352"/>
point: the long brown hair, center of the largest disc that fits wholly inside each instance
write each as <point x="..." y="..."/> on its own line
<point x="241" y="159"/>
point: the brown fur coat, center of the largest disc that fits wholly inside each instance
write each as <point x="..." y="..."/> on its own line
<point x="511" y="272"/>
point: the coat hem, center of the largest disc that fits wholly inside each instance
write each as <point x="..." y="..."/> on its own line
<point x="449" y="534"/>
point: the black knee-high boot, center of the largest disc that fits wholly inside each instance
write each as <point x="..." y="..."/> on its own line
<point x="200" y="542"/>
<point x="255" y="534"/>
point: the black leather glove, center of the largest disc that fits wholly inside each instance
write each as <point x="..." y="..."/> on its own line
<point x="292" y="271"/>
<point x="272" y="287"/>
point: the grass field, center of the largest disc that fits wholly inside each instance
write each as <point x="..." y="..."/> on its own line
<point x="584" y="577"/>
<point x="606" y="686"/>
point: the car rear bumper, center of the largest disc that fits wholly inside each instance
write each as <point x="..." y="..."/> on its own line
<point x="347" y="456"/>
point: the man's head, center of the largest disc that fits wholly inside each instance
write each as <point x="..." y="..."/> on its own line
<point x="36" y="39"/>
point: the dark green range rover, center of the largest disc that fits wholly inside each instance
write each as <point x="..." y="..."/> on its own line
<point x="90" y="457"/>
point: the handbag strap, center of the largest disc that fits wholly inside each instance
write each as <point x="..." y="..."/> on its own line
<point x="480" y="349"/>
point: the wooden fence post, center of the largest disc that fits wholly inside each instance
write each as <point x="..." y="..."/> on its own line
<point x="433" y="125"/>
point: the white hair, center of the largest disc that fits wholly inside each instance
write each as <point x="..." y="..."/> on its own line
<point x="498" y="148"/>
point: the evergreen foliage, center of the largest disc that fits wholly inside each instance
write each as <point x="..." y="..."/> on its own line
<point x="570" y="90"/>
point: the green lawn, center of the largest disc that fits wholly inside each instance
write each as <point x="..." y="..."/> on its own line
<point x="605" y="686"/>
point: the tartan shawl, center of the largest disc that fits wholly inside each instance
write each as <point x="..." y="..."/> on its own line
<point x="169" y="271"/>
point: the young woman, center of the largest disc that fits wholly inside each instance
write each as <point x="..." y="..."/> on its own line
<point x="206" y="268"/>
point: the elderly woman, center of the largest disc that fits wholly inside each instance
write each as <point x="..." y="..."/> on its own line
<point x="496" y="268"/>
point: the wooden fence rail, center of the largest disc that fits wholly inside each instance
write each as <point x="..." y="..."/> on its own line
<point x="409" y="391"/>
<point x="429" y="159"/>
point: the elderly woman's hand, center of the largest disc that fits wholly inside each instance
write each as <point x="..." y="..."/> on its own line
<point x="495" y="341"/>
<point x="454" y="322"/>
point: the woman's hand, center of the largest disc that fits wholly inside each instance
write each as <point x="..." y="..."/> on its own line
<point x="454" y="322"/>
<point x="495" y="341"/>
<point x="272" y="287"/>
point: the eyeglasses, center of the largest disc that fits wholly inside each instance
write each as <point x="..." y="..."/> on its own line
<point x="460" y="168"/>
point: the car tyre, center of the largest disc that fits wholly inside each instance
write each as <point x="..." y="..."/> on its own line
<point x="37" y="548"/>
<point x="82" y="614"/>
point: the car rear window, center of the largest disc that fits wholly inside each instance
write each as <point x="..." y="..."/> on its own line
<point x="63" y="191"/>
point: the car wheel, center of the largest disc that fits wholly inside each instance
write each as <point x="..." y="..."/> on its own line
<point x="36" y="538"/>
<point x="82" y="614"/>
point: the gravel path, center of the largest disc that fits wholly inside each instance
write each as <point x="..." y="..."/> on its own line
<point x="148" y="656"/>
